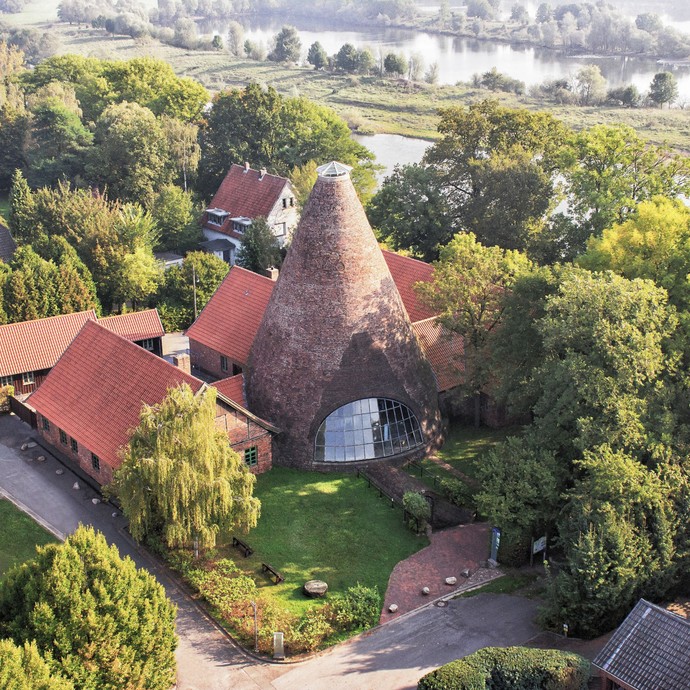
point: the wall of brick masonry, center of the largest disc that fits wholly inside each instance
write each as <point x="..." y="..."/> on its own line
<point x="335" y="330"/>
<point x="243" y="433"/>
<point x="82" y="458"/>
<point x="207" y="360"/>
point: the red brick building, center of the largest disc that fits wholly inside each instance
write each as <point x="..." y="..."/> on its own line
<point x="244" y="195"/>
<point x="28" y="350"/>
<point x="92" y="398"/>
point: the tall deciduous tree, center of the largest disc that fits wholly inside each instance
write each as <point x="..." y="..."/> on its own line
<point x="496" y="165"/>
<point x="179" y="478"/>
<point x="177" y="217"/>
<point x="664" y="88"/>
<point x="467" y="293"/>
<point x="104" y="623"/>
<point x="260" y="248"/>
<point x="411" y="211"/>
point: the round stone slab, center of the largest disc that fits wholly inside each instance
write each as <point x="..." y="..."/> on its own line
<point x="315" y="588"/>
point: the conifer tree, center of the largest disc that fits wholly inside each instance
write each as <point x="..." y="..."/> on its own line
<point x="20" y="215"/>
<point x="94" y="617"/>
<point x="179" y="478"/>
<point x="23" y="668"/>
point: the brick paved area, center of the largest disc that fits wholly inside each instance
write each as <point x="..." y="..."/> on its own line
<point x="451" y="551"/>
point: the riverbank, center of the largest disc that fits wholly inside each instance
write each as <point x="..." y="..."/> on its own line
<point x="369" y="104"/>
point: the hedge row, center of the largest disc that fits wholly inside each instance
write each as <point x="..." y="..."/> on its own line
<point x="512" y="668"/>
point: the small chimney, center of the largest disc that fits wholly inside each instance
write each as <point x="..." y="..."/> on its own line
<point x="272" y="273"/>
<point x="183" y="362"/>
<point x="246" y="166"/>
<point x="262" y="172"/>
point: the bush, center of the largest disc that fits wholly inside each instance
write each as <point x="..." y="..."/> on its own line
<point x="358" y="609"/>
<point x="5" y="393"/>
<point x="512" y="668"/>
<point x="457" y="492"/>
<point x="514" y="548"/>
<point x="309" y="632"/>
<point x="418" y="507"/>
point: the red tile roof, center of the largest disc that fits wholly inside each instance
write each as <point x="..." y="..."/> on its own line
<point x="135" y="326"/>
<point x="96" y="390"/>
<point x="406" y="272"/>
<point x="444" y="350"/>
<point x="37" y="345"/>
<point x="228" y="323"/>
<point x="233" y="388"/>
<point x="245" y="193"/>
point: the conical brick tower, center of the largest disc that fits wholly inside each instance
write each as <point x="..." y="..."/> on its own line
<point x="335" y="363"/>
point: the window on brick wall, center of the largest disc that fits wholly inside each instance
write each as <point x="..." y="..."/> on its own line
<point x="251" y="456"/>
<point x="63" y="437"/>
<point x="46" y="424"/>
<point x="28" y="378"/>
<point x="6" y="381"/>
<point x="223" y="363"/>
<point x="74" y="444"/>
<point x="95" y="462"/>
<point x="148" y="344"/>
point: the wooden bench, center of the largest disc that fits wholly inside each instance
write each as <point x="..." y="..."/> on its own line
<point x="242" y="546"/>
<point x="268" y="569"/>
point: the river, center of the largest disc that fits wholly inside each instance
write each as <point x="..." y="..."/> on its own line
<point x="459" y="59"/>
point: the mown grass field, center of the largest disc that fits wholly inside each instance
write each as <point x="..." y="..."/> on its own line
<point x="19" y="536"/>
<point x="330" y="527"/>
<point x="369" y="104"/>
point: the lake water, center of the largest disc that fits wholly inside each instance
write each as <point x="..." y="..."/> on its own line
<point x="391" y="149"/>
<point x="459" y="59"/>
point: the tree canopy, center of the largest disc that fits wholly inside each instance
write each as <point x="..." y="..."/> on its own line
<point x="94" y="617"/>
<point x="179" y="478"/>
<point x="260" y="248"/>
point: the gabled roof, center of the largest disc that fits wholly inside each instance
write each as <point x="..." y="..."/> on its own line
<point x="228" y="323"/>
<point x="135" y="326"/>
<point x="232" y="388"/>
<point x="444" y="350"/>
<point x="246" y="193"/>
<point x="650" y="650"/>
<point x="406" y="272"/>
<point x="7" y="244"/>
<point x="96" y="390"/>
<point x="38" y="344"/>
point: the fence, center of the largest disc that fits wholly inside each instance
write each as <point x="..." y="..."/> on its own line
<point x="373" y="484"/>
<point x="24" y="412"/>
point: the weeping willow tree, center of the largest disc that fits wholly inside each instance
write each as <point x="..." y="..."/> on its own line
<point x="179" y="478"/>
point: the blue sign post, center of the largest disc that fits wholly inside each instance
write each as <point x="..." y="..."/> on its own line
<point x="495" y="543"/>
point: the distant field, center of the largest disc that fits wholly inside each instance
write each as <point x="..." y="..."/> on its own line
<point x="19" y="536"/>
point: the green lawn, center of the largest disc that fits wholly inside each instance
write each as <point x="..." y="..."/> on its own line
<point x="19" y="535"/>
<point x="324" y="526"/>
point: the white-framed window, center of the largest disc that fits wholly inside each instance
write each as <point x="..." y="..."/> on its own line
<point x="6" y="381"/>
<point x="148" y="344"/>
<point x="28" y="378"/>
<point x="279" y="229"/>
<point x="216" y="216"/>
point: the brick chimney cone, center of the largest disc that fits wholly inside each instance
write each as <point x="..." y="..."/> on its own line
<point x="335" y="331"/>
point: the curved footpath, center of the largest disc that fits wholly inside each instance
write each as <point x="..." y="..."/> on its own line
<point x="391" y="657"/>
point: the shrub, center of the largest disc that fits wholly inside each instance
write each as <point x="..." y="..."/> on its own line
<point x="512" y="668"/>
<point x="5" y="393"/>
<point x="418" y="507"/>
<point x="225" y="588"/>
<point x="358" y="608"/>
<point x="309" y="632"/>
<point x="457" y="492"/>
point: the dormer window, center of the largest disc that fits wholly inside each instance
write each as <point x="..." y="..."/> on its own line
<point x="216" y="216"/>
<point x="240" y="224"/>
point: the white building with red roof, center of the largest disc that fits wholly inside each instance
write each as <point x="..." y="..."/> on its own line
<point x="244" y="195"/>
<point x="92" y="398"/>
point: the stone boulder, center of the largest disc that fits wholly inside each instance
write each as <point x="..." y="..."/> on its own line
<point x="315" y="588"/>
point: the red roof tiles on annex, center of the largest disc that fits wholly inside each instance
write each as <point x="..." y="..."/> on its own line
<point x="137" y="325"/>
<point x="406" y="272"/>
<point x="230" y="320"/>
<point x="232" y="388"/>
<point x="38" y="344"/>
<point x="96" y="390"/>
<point x="245" y="193"/>
<point x="444" y="350"/>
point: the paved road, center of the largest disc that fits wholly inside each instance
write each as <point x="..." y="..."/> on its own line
<point x="393" y="657"/>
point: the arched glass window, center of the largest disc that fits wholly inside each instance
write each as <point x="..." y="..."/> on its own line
<point x="366" y="430"/>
